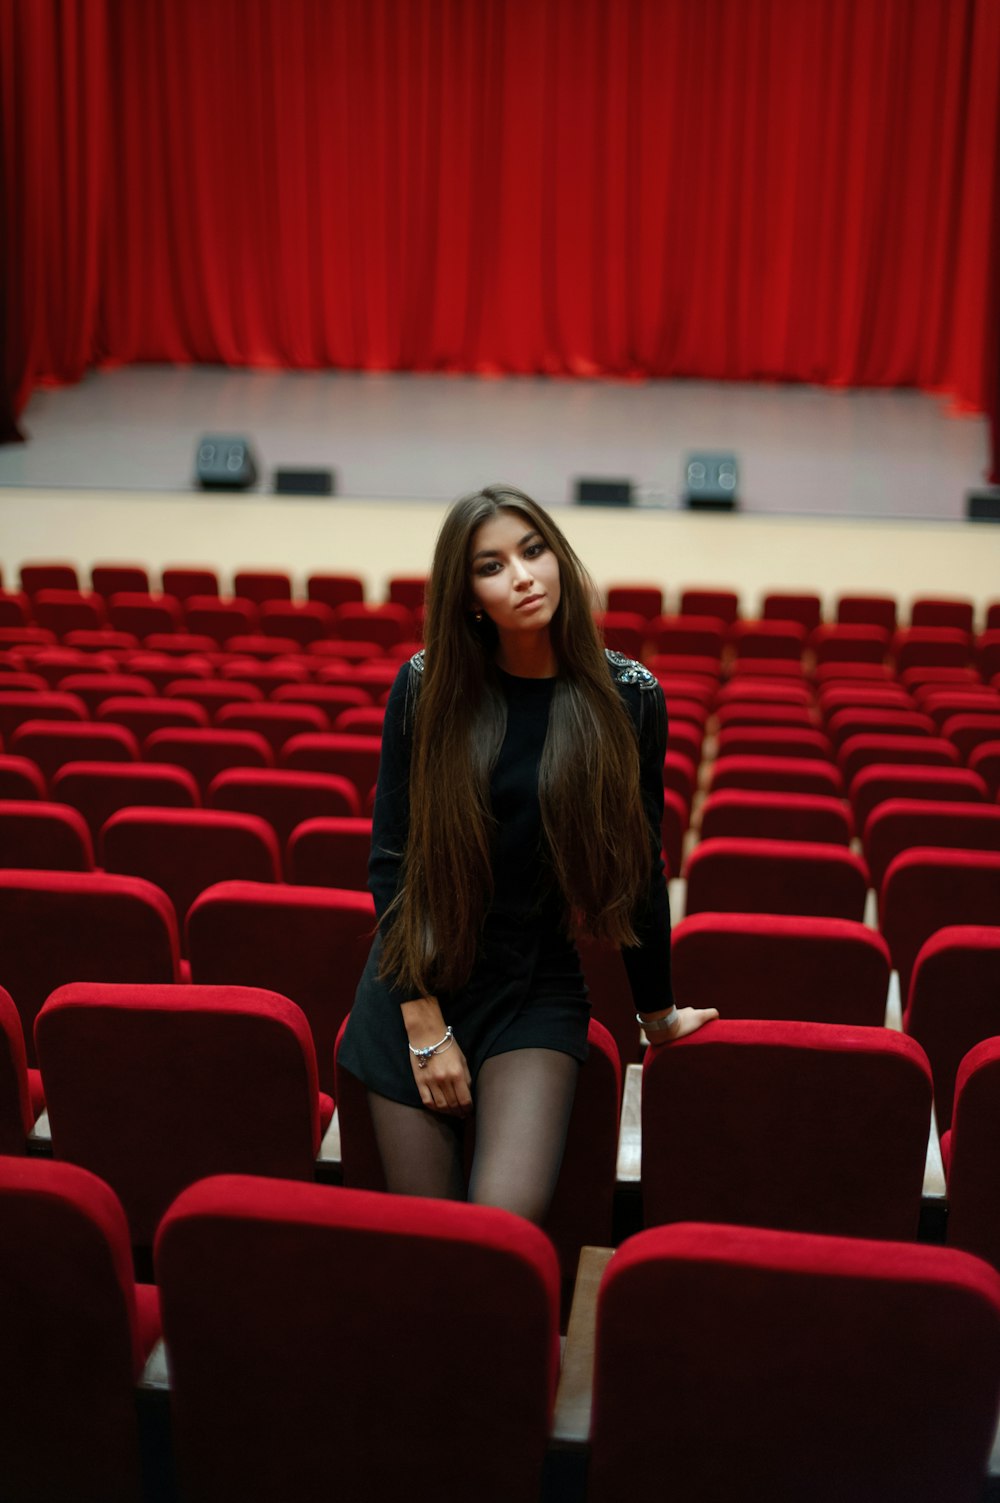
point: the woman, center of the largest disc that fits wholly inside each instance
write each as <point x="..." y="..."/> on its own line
<point x="520" y="797"/>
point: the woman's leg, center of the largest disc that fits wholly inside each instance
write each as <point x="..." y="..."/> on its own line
<point x="421" y="1151"/>
<point x="523" y="1101"/>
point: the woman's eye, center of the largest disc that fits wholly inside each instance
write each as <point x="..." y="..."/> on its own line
<point x="490" y="568"/>
<point x="534" y="549"/>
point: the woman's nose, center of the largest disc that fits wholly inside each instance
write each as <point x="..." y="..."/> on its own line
<point x="522" y="574"/>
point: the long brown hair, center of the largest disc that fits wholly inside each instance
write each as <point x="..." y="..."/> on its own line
<point x="597" y="838"/>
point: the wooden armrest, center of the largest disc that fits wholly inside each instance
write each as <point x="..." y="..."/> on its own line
<point x="571" y="1419"/>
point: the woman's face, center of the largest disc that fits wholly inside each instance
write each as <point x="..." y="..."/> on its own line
<point x="513" y="574"/>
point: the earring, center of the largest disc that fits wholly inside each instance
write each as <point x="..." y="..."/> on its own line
<point x="477" y="617"/>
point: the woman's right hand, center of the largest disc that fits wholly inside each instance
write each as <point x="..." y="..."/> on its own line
<point x="444" y="1082"/>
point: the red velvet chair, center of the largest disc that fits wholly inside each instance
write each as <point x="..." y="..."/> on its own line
<point x="931" y="647"/>
<point x="213" y="693"/>
<point x="279" y="1375"/>
<point x="335" y="589"/>
<point x="206" y="753"/>
<point x="842" y="643"/>
<point x="76" y="1332"/>
<point x="643" y="600"/>
<point x="111" y="579"/>
<point x="180" y="1082"/>
<point x="803" y="742"/>
<point x="877" y="720"/>
<point x="303" y="621"/>
<point x="884" y="780"/>
<point x="966" y="732"/>
<point x="100" y="789"/>
<point x="20" y="778"/>
<point x="58" y="927"/>
<point x="332" y="699"/>
<point x="724" y="605"/>
<point x="730" y="875"/>
<point x="850" y="1347"/>
<point x="862" y="696"/>
<point x="18" y="705"/>
<point x="984" y="762"/>
<point x="344" y="756"/>
<point x="22" y="1098"/>
<point x="777" y="775"/>
<point x="144" y="716"/>
<point x="954" y="1003"/>
<point x="44" y="837"/>
<point x="61" y="611"/>
<point x="940" y="704"/>
<point x="743" y="709"/>
<point x="409" y="590"/>
<point x="681" y="775"/>
<point x="209" y="616"/>
<point x="307" y="943"/>
<point x="145" y="615"/>
<point x="801" y="1126"/>
<point x="781" y="967"/>
<point x="95" y="688"/>
<point x="776" y="816"/>
<point x="48" y="576"/>
<point x="622" y="631"/>
<point x="927" y="889"/>
<point x="182" y="583"/>
<point x="970" y="1152"/>
<point x="259" y="585"/>
<point x="362" y="721"/>
<point x="805" y="608"/>
<point x="867" y="610"/>
<point x="51" y="745"/>
<point x="185" y="851"/>
<point x="861" y="751"/>
<point x="899" y="824"/>
<point x="937" y="611"/>
<point x="385" y="624"/>
<point x="687" y="636"/>
<point x="330" y="853"/>
<point x="767" y="639"/>
<point x="581" y="1211"/>
<point x="277" y="723"/>
<point x="282" y="797"/>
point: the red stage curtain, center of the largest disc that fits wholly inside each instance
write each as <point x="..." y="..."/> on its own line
<point x="803" y="190"/>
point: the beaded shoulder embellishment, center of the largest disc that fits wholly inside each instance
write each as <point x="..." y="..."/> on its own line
<point x="417" y="661"/>
<point x="628" y="671"/>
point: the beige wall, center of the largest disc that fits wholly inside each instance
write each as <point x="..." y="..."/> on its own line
<point x="380" y="538"/>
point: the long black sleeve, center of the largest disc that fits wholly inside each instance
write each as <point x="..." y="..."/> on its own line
<point x="391" y="816"/>
<point x="648" y="963"/>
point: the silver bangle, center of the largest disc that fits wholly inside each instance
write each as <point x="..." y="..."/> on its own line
<point x="658" y="1025"/>
<point x="423" y="1055"/>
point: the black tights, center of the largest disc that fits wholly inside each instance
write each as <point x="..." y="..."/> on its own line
<point x="523" y="1101"/>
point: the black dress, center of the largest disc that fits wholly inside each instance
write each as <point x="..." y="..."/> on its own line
<point x="526" y="989"/>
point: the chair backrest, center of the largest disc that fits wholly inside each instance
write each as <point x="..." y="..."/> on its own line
<point x="184" y="851"/>
<point x="307" y="943"/>
<point x="954" y="1002"/>
<point x="899" y="824"/>
<point x="337" y="753"/>
<point x="927" y="889"/>
<point x="777" y="775"/>
<point x="865" y="749"/>
<point x="856" y="1344"/>
<point x="774" y="741"/>
<point x="59" y="927"/>
<point x="16" y="1111"/>
<point x="206" y="753"/>
<point x="72" y="1350"/>
<point x="776" y="816"/>
<point x="111" y="579"/>
<point x="330" y="853"/>
<point x="260" y="585"/>
<point x="759" y="965"/>
<point x="18" y="705"/>
<point x="52" y="744"/>
<point x="974" y="1160"/>
<point x="733" y="875"/>
<point x="99" y="789"/>
<point x="203" y="1080"/>
<point x="801" y="1126"/>
<point x="882" y="781"/>
<point x="283" y="797"/>
<point x="20" y="778"/>
<point x="279" y="1375"/>
<point x="41" y="836"/>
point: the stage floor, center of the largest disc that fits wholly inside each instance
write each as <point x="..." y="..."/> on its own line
<point x="802" y="450"/>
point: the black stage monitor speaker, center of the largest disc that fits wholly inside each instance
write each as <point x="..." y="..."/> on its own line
<point x="711" y="481"/>
<point x="304" y="482"/>
<point x="593" y="492"/>
<point x="225" y="462"/>
<point x="983" y="506"/>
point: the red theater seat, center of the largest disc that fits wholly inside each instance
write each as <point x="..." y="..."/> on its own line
<point x="984" y="763"/>
<point x="781" y="967"/>
<point x="44" y="837"/>
<point x="100" y="789"/>
<point x="966" y="732"/>
<point x="926" y="889"/>
<point x="971" y="1153"/>
<point x="184" y="851"/>
<point x="180" y="1082"/>
<point x="303" y="621"/>
<point x="954" y="1002"/>
<point x="282" y="797"/>
<point x="344" y="756"/>
<point x="183" y="583"/>
<point x="840" y="643"/>
<point x="883" y="780"/>
<point x="767" y="639"/>
<point x="213" y="693"/>
<point x="862" y="751"/>
<point x="622" y="631"/>
<point x="773" y="741"/>
<point x="777" y="775"/>
<point x="899" y="824"/>
<point x="799" y="1126"/>
<point x="806" y="609"/>
<point x="308" y="943"/>
<point x="279" y="1375"/>
<point x="861" y="720"/>
<point x="931" y="647"/>
<point x="144" y="615"/>
<point x="260" y="585"/>
<point x="58" y="927"/>
<point x="77" y="1331"/>
<point x="208" y="616"/>
<point x="849" y="1346"/>
<point x="95" y="688"/>
<point x="867" y="610"/>
<point x="776" y="816"/>
<point x="48" y="576"/>
<point x="206" y="753"/>
<point x="277" y="723"/>
<point x="18" y="705"/>
<point x="20" y="778"/>
<point x="937" y="611"/>
<point x="144" y="716"/>
<point x="52" y="744"/>
<point x="730" y="875"/>
<point x="724" y="605"/>
<point x="408" y="590"/>
<point x="112" y="579"/>
<point x="643" y="600"/>
<point x="330" y="853"/>
<point x="687" y="636"/>
<point x="385" y="624"/>
<point x="61" y="611"/>
<point x="756" y="710"/>
<point x="21" y="1095"/>
<point x="335" y="589"/>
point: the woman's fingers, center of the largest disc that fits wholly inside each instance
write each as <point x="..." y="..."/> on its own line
<point x="689" y="1020"/>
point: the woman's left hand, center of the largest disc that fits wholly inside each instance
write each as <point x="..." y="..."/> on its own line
<point x="688" y="1020"/>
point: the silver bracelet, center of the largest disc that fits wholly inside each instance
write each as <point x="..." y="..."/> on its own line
<point x="423" y="1055"/>
<point x="658" y="1025"/>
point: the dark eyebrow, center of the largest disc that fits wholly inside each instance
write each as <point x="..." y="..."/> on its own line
<point x="521" y="542"/>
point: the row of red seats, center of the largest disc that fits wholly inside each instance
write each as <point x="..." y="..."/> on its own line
<point x="277" y="1379"/>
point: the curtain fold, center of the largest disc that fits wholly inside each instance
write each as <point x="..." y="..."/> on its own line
<point x="789" y="190"/>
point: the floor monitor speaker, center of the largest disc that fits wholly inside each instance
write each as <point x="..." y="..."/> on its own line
<point x="591" y="491"/>
<point x="711" y="482"/>
<point x="983" y="506"/>
<point x="225" y="462"/>
<point x="304" y="482"/>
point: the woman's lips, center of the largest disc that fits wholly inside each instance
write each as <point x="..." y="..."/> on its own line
<point x="529" y="600"/>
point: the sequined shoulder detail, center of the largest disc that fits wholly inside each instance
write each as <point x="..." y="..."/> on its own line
<point x="628" y="671"/>
<point x="417" y="661"/>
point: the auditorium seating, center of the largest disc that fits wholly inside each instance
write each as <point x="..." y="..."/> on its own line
<point x="971" y="1156"/>
<point x="51" y="745"/>
<point x="792" y="1367"/>
<point x="897" y="825"/>
<point x="954" y="1002"/>
<point x="44" y="837"/>
<point x="795" y="1125"/>
<point x="100" y="789"/>
<point x="884" y="780"/>
<point x="927" y="889"/>
<point x="76" y="1332"/>
<point x="181" y="1082"/>
<point x="776" y="816"/>
<point x="355" y="758"/>
<point x="21" y="1095"/>
<point x="331" y="852"/>
<point x="282" y="797"/>
<point x="279" y="1375"/>
<point x="733" y="875"/>
<point x="207" y="752"/>
<point x="781" y="967"/>
<point x="309" y="944"/>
